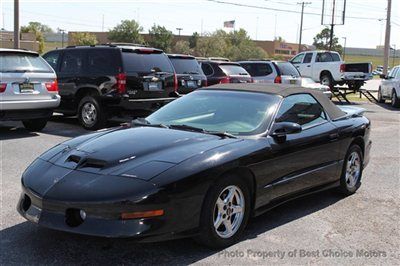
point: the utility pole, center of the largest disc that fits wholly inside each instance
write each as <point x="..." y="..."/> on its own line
<point x="332" y="25"/>
<point x="179" y="31"/>
<point x="16" y="24"/>
<point x="387" y="38"/>
<point x="301" y="22"/>
<point x="344" y="48"/>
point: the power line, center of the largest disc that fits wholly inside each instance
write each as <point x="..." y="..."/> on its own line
<point x="280" y="9"/>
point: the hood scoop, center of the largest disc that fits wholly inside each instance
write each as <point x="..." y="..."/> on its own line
<point x="86" y="162"/>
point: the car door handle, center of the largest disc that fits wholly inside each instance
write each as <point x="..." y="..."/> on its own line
<point x="309" y="66"/>
<point x="297" y="66"/>
<point x="333" y="136"/>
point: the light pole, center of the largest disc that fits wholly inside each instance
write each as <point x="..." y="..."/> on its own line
<point x="380" y="35"/>
<point x="179" y="31"/>
<point x="344" y="47"/>
<point x="301" y="22"/>
<point x="62" y="36"/>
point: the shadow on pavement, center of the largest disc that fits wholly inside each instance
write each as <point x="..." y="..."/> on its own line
<point x="11" y="132"/>
<point x="26" y="243"/>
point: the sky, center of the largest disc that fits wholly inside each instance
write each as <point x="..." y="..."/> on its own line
<point x="364" y="25"/>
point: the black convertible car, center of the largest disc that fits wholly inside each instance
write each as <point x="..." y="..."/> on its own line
<point x="200" y="166"/>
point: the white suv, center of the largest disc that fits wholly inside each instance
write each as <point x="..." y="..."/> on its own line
<point x="28" y="88"/>
<point x="389" y="88"/>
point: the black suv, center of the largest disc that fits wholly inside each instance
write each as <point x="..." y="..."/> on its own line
<point x="103" y="81"/>
<point x="189" y="73"/>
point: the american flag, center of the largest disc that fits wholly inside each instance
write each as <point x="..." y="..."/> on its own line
<point x="229" y="24"/>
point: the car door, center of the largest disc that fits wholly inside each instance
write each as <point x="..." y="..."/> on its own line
<point x="306" y="66"/>
<point x="390" y="82"/>
<point x="297" y="60"/>
<point x="69" y="76"/>
<point x="306" y="159"/>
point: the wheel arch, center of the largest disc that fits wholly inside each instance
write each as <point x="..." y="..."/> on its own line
<point x="85" y="91"/>
<point x="325" y="72"/>
<point x="358" y="140"/>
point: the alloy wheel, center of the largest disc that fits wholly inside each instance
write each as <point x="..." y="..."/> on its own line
<point x="229" y="211"/>
<point x="89" y="113"/>
<point x="353" y="169"/>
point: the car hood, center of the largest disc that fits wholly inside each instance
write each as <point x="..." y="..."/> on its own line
<point x="140" y="152"/>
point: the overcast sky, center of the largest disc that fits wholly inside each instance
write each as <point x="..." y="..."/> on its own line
<point x="362" y="27"/>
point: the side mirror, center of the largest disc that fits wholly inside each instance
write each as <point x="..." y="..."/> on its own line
<point x="382" y="76"/>
<point x="281" y="129"/>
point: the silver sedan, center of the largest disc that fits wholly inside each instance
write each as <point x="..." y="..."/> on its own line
<point x="28" y="88"/>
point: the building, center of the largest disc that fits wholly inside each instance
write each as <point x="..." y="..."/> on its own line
<point x="27" y="40"/>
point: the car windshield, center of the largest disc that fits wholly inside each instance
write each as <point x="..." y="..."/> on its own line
<point x="146" y="62"/>
<point x="233" y="70"/>
<point x="237" y="113"/>
<point x="186" y="65"/>
<point x="287" y="69"/>
<point x="23" y="62"/>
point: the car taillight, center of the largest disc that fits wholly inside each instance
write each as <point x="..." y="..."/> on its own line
<point x="176" y="82"/>
<point x="205" y="83"/>
<point x="3" y="87"/>
<point x="121" y="83"/>
<point x="225" y="80"/>
<point x="251" y="80"/>
<point x="52" y="86"/>
<point x="278" y="79"/>
<point x="342" y="68"/>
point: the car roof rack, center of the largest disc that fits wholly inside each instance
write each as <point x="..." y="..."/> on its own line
<point x="125" y="44"/>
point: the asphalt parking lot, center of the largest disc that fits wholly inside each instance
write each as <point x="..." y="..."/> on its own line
<point x="324" y="228"/>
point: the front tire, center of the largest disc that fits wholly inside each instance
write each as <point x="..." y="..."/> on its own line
<point x="395" y="100"/>
<point x="350" y="180"/>
<point x="380" y="98"/>
<point x="91" y="114"/>
<point x="35" y="124"/>
<point x="225" y="213"/>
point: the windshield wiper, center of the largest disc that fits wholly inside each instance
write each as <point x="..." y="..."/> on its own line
<point x="221" y="134"/>
<point x="190" y="72"/>
<point x="186" y="127"/>
<point x="143" y="122"/>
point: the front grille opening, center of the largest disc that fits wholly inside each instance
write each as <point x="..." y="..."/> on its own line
<point x="74" y="158"/>
<point x="74" y="217"/>
<point x="26" y="203"/>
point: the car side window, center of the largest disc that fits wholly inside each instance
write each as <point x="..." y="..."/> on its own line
<point x="72" y="62"/>
<point x="398" y="73"/>
<point x="335" y="57"/>
<point x="207" y="69"/>
<point x="307" y="58"/>
<point x="302" y="109"/>
<point x="324" y="57"/>
<point x="102" y="61"/>
<point x="298" y="59"/>
<point x="52" y="59"/>
<point x="392" y="73"/>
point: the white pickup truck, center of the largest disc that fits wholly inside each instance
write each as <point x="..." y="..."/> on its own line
<point x="328" y="68"/>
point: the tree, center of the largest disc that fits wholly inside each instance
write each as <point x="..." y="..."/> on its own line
<point x="322" y="41"/>
<point x="83" y="38"/>
<point x="38" y="29"/>
<point x="193" y="40"/>
<point x="128" y="31"/>
<point x="182" y="47"/>
<point x="160" y="37"/>
<point x="211" y="45"/>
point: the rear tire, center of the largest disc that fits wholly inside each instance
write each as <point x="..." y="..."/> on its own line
<point x="35" y="124"/>
<point x="91" y="114"/>
<point x="350" y="180"/>
<point x="395" y="100"/>
<point x="326" y="79"/>
<point x="224" y="218"/>
<point x="380" y="98"/>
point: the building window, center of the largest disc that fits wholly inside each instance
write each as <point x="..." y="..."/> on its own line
<point x="287" y="52"/>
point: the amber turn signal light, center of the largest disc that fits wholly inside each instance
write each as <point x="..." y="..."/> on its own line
<point x="145" y="214"/>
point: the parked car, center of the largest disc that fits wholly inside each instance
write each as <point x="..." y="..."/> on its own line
<point x="311" y="84"/>
<point x="266" y="71"/>
<point x="389" y="89"/>
<point x="328" y="68"/>
<point x="200" y="166"/>
<point x="189" y="73"/>
<point x="102" y="81"/>
<point x="218" y="72"/>
<point x="28" y="88"/>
